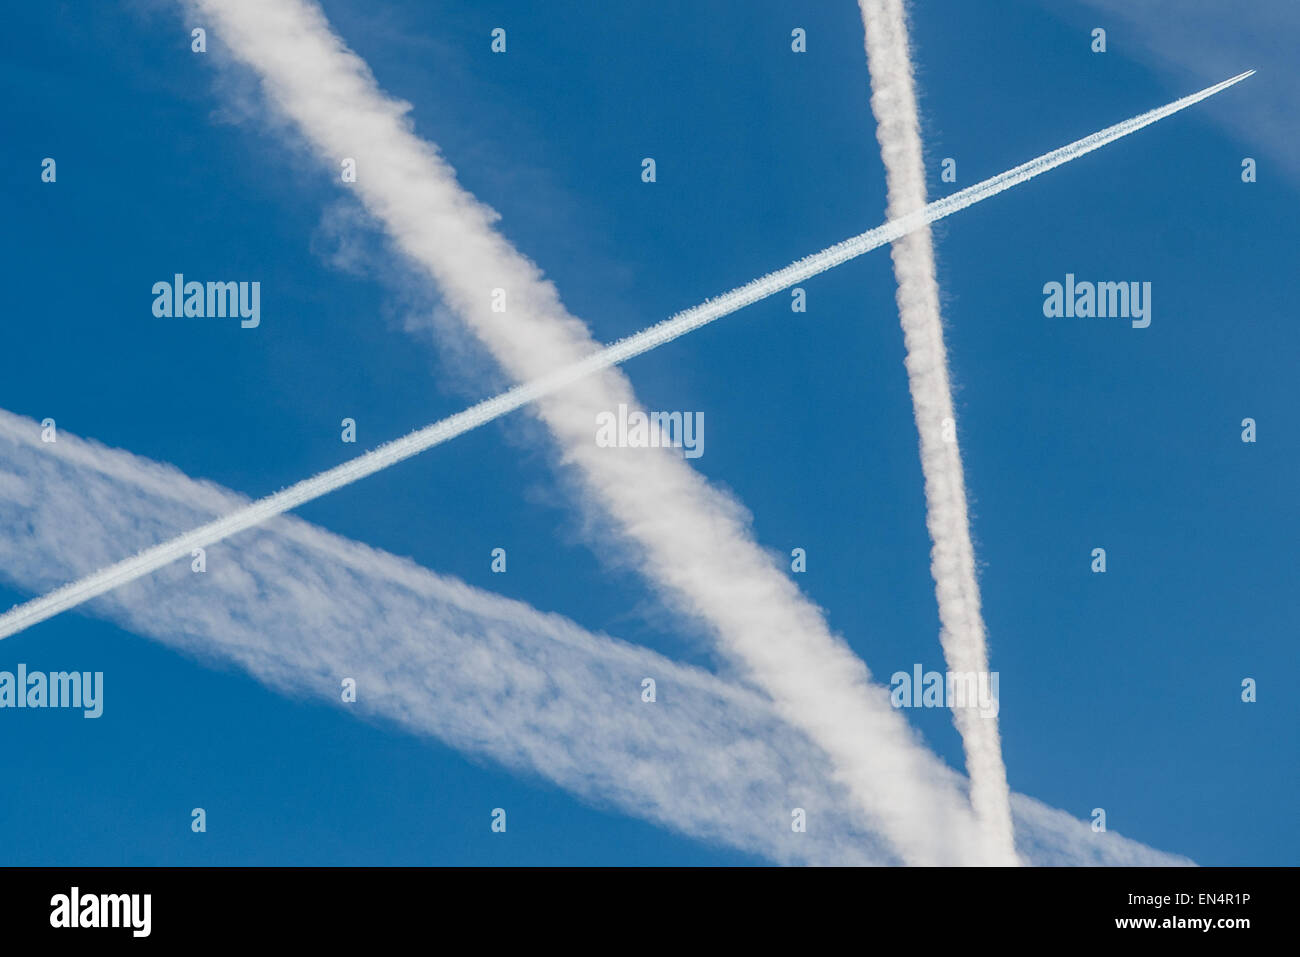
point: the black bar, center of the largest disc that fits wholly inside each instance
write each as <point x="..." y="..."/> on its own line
<point x="659" y="908"/>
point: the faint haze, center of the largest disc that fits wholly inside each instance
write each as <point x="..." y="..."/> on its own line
<point x="1196" y="40"/>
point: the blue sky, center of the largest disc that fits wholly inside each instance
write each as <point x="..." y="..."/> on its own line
<point x="1118" y="691"/>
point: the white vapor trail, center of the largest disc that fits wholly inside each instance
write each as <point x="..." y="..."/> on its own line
<point x="299" y="608"/>
<point x="694" y="541"/>
<point x="952" y="556"/>
<point x="129" y="569"/>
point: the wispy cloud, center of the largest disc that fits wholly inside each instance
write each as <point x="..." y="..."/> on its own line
<point x="694" y="542"/>
<point x="299" y="609"/>
<point x="691" y="540"/>
<point x="1189" y="38"/>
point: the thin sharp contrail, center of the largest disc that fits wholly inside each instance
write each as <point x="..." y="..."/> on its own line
<point x="75" y="593"/>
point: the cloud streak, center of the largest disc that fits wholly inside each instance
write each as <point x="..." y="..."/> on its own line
<point x="694" y="543"/>
<point x="690" y="540"/>
<point x="299" y="608"/>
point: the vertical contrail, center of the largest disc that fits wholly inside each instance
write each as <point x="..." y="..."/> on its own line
<point x="952" y="558"/>
<point x="893" y="100"/>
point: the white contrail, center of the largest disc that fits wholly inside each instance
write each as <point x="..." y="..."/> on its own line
<point x="694" y="540"/>
<point x="962" y="632"/>
<point x="299" y="608"/>
<point x="816" y="681"/>
<point x="69" y="596"/>
<point x="952" y="557"/>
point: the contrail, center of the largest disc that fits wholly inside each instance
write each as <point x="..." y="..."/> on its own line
<point x="299" y="608"/>
<point x="952" y="556"/>
<point x="691" y="540"/>
<point x="694" y="543"/>
<point x="75" y="593"/>
<point x="962" y="632"/>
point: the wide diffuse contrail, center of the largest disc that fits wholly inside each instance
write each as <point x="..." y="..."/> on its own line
<point x="69" y="596"/>
<point x="492" y="677"/>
